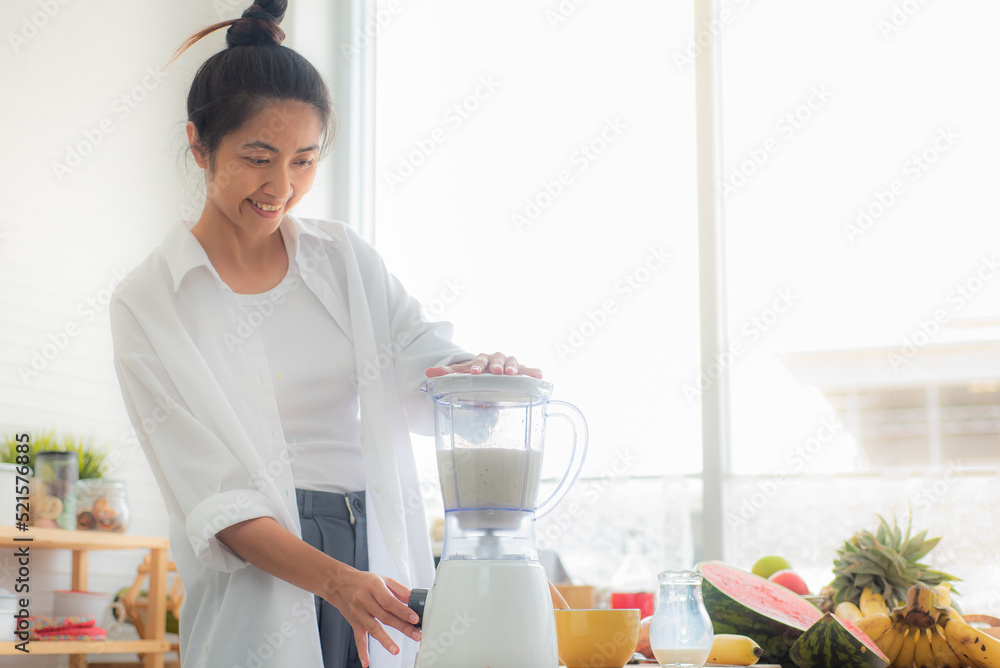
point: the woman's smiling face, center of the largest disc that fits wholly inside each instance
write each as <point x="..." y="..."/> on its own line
<point x="259" y="172"/>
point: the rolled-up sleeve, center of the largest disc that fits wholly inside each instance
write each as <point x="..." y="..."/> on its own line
<point x="202" y="480"/>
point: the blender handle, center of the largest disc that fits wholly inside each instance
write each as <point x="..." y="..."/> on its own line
<point x="577" y="456"/>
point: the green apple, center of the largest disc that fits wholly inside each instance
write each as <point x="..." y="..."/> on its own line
<point x="768" y="566"/>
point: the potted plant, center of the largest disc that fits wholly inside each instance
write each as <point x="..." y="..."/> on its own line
<point x="92" y="469"/>
<point x="92" y="459"/>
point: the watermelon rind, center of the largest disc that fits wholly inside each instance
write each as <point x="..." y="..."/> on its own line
<point x="764" y="622"/>
<point x="829" y="643"/>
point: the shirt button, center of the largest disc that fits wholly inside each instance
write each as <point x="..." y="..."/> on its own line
<point x="396" y="541"/>
<point x="377" y="489"/>
<point x="327" y="296"/>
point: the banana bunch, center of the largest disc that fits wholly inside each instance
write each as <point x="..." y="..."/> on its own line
<point x="928" y="633"/>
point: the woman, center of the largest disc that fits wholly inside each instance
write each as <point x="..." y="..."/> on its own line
<point x="270" y="366"/>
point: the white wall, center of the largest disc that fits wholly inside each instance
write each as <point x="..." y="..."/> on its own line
<point x="94" y="174"/>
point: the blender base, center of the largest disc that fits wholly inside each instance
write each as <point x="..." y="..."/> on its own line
<point x="489" y="612"/>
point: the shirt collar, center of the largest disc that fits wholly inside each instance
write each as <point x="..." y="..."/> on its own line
<point x="183" y="252"/>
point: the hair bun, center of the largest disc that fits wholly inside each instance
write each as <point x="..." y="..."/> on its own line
<point x="275" y="8"/>
<point x="258" y="14"/>
<point x="259" y="25"/>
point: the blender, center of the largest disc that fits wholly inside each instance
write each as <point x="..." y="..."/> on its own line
<point x="490" y="604"/>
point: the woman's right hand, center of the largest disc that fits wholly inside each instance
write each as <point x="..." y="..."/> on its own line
<point x="367" y="601"/>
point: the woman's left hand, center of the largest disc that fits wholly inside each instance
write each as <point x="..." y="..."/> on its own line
<point x="497" y="363"/>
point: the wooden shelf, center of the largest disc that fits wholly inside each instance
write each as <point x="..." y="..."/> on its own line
<point x="81" y="543"/>
<point x="87" y="647"/>
<point x="62" y="539"/>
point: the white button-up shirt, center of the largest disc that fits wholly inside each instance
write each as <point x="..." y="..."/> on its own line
<point x="197" y="387"/>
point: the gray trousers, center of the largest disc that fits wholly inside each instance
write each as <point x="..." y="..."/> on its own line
<point x="335" y="524"/>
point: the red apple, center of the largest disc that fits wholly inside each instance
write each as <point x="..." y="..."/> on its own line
<point x="790" y="580"/>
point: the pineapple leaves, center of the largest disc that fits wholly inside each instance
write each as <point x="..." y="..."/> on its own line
<point x="919" y="549"/>
<point x="887" y="560"/>
<point x="862" y="568"/>
<point x="882" y="535"/>
<point x="864" y="580"/>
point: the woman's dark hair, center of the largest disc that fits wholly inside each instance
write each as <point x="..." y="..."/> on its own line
<point x="236" y="83"/>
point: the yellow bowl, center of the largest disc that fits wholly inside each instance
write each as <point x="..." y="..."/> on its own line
<point x="597" y="638"/>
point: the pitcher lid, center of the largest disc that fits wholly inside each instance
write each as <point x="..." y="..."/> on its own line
<point x="487" y="387"/>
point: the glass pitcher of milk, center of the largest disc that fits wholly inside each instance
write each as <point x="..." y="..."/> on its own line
<point x="680" y="634"/>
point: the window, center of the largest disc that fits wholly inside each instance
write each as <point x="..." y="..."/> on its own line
<point x="859" y="156"/>
<point x="534" y="187"/>
<point x="537" y="155"/>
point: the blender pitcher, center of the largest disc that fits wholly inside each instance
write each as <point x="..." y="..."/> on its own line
<point x="490" y="604"/>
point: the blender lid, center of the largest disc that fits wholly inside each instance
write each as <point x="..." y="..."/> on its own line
<point x="470" y="386"/>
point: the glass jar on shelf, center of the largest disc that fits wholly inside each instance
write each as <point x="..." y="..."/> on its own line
<point x="57" y="473"/>
<point x="102" y="505"/>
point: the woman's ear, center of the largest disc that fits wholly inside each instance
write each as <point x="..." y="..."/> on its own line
<point x="200" y="158"/>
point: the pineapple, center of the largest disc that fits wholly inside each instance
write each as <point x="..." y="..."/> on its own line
<point x="886" y="561"/>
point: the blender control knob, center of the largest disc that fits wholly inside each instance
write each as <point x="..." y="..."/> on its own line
<point x="417" y="600"/>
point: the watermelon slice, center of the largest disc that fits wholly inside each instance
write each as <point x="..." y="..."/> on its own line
<point x="746" y="604"/>
<point x="833" y="642"/>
